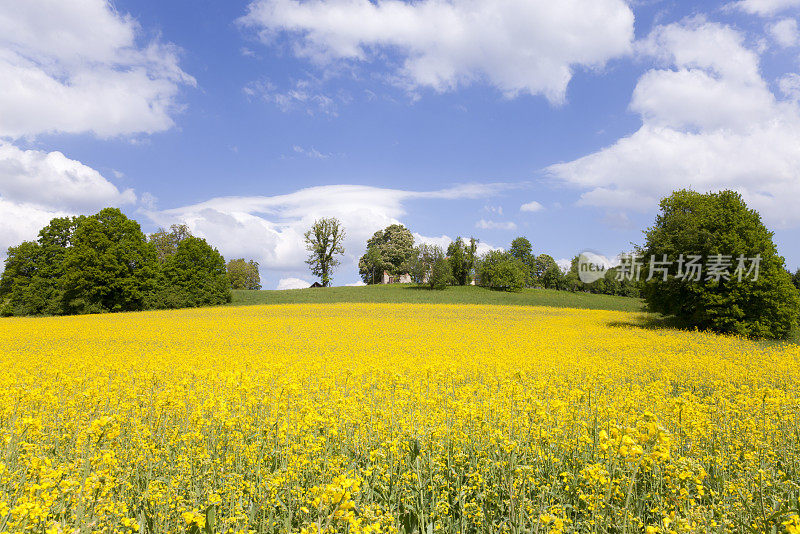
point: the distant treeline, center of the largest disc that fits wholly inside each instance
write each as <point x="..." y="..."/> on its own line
<point x="105" y="263"/>
<point x="392" y="250"/>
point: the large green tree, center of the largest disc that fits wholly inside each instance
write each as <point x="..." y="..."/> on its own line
<point x="547" y="273"/>
<point x="390" y="250"/>
<point x="498" y="269"/>
<point x="324" y="241"/>
<point x="521" y="249"/>
<point x="243" y="274"/>
<point x="32" y="282"/>
<point x="720" y="229"/>
<point x="194" y="275"/>
<point x="457" y="257"/>
<point x="110" y="266"/>
<point x="371" y="266"/>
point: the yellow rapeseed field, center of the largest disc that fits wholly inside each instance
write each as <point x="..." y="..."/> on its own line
<point x="392" y="418"/>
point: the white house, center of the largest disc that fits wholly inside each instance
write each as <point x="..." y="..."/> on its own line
<point x="402" y="279"/>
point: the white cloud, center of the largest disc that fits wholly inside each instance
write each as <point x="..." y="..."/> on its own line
<point x="564" y="264"/>
<point x="484" y="224"/>
<point x="22" y="222"/>
<point x="292" y="283"/>
<point x="52" y="180"/>
<point x="766" y="7"/>
<point x="270" y="229"/>
<point x="442" y="241"/>
<point x="531" y="206"/>
<point x="784" y="32"/>
<point x="357" y="284"/>
<point x="496" y="210"/>
<point x="518" y="46"/>
<point x="305" y="95"/>
<point x="312" y="152"/>
<point x="37" y="186"/>
<point x="710" y="122"/>
<point x="75" y="66"/>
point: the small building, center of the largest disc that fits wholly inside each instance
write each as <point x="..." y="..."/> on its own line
<point x="315" y="284"/>
<point x="389" y="279"/>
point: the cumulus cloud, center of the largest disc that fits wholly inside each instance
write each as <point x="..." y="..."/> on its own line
<point x="518" y="46"/>
<point x="709" y="122"/>
<point x="564" y="264"/>
<point x="52" y="180"/>
<point x="270" y="229"/>
<point x="766" y="7"/>
<point x="36" y="186"/>
<point x="784" y="32"/>
<point x="75" y="66"/>
<point x="485" y="224"/>
<point x="531" y="206"/>
<point x="292" y="283"/>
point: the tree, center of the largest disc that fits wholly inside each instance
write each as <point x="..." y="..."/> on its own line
<point x="243" y="274"/>
<point x="33" y="278"/>
<point x="428" y="265"/>
<point x="371" y="266"/>
<point x="471" y="259"/>
<point x="110" y="265"/>
<point x="324" y="242"/>
<point x="500" y="270"/>
<point x="194" y="275"/>
<point x="796" y="279"/>
<point x="708" y="225"/>
<point x="17" y="285"/>
<point x="166" y="242"/>
<point x="521" y="249"/>
<point x="391" y="250"/>
<point x="441" y="271"/>
<point x="459" y="264"/>
<point x="547" y="273"/>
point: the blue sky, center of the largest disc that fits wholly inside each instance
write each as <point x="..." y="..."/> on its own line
<point x="247" y="120"/>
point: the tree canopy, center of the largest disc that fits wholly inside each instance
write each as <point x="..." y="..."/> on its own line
<point x="390" y="250"/>
<point x="498" y="269"/>
<point x="712" y="227"/>
<point x="324" y="242"/>
<point x="109" y="265"/>
<point x="104" y="263"/>
<point x="429" y="266"/>
<point x="244" y="274"/>
<point x="166" y="241"/>
<point x="194" y="275"/>
<point x="522" y="249"/>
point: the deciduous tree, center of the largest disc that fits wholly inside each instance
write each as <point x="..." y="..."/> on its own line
<point x="324" y="242"/>
<point x="390" y="250"/>
<point x="243" y="274"/>
<point x="708" y="225"/>
<point x="110" y="265"/>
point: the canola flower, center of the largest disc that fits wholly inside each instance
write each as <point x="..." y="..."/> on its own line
<point x="392" y="418"/>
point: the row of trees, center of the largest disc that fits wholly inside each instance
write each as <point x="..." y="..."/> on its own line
<point x="392" y="250"/>
<point x="105" y="263"/>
